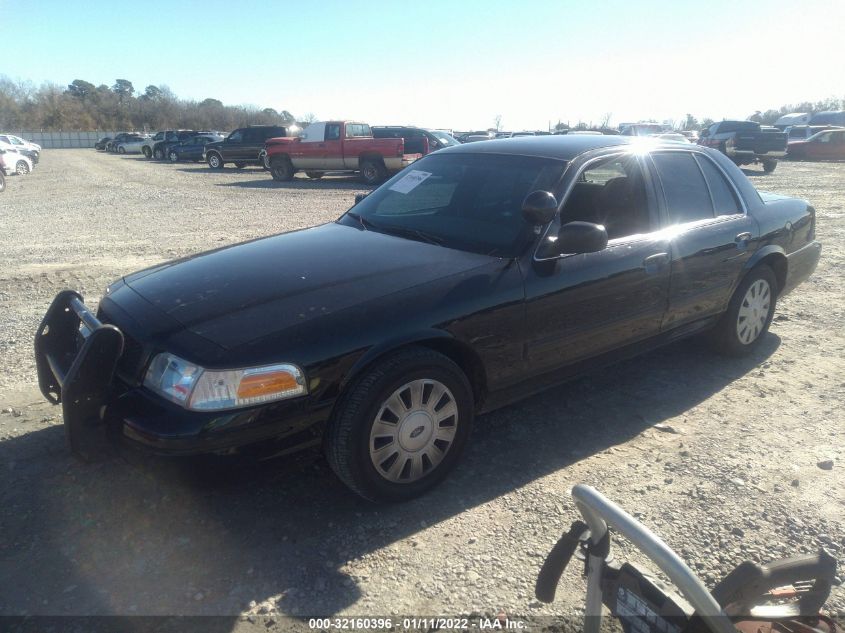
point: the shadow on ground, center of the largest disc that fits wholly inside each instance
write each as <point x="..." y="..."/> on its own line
<point x="183" y="538"/>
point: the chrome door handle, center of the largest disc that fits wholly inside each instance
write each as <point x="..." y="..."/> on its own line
<point x="743" y="237"/>
<point x="653" y="263"/>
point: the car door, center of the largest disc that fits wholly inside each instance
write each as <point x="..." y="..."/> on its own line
<point x="579" y="306"/>
<point x="332" y="147"/>
<point x="231" y="146"/>
<point x="253" y="143"/>
<point x="712" y="235"/>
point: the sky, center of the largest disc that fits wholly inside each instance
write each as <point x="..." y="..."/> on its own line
<point x="446" y="64"/>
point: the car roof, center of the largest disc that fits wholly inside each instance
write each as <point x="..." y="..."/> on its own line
<point x="562" y="147"/>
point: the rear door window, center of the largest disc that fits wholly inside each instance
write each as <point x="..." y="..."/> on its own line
<point x="723" y="195"/>
<point x="333" y="132"/>
<point x="684" y="188"/>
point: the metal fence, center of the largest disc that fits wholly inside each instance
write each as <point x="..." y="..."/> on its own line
<point x="59" y="140"/>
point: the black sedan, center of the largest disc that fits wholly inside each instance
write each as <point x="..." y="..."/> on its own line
<point x="477" y="276"/>
<point x="191" y="148"/>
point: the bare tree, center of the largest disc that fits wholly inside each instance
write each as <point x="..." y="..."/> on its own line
<point x="497" y="122"/>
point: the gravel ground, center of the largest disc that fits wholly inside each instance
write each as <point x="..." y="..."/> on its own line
<point x="720" y="457"/>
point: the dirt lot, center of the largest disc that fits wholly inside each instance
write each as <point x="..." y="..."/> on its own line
<point x="730" y="475"/>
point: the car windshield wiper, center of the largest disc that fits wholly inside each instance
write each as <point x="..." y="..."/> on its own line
<point x="412" y="233"/>
<point x="367" y="224"/>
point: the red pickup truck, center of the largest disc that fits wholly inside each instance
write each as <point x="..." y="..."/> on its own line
<point x="337" y="146"/>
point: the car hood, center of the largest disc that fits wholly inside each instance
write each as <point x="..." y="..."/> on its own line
<point x="241" y="293"/>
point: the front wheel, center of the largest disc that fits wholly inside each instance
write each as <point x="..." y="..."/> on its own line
<point x="173" y="156"/>
<point x="769" y="166"/>
<point x="21" y="168"/>
<point x="749" y="314"/>
<point x="401" y="427"/>
<point x="148" y="153"/>
<point x="214" y="161"/>
<point x="281" y="169"/>
<point x="121" y="150"/>
<point x="372" y="172"/>
<point x="2" y="181"/>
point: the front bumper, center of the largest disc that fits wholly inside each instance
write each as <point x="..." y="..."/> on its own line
<point x="79" y="372"/>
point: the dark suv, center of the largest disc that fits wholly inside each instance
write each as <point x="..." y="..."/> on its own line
<point x="244" y="146"/>
<point x="417" y="140"/>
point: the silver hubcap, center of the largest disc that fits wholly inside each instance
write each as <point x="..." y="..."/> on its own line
<point x="214" y="162"/>
<point x="413" y="431"/>
<point x="753" y="312"/>
<point x="173" y="156"/>
<point x="23" y="168"/>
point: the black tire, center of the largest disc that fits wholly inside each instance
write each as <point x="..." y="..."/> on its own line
<point x="147" y="152"/>
<point x="769" y="166"/>
<point x="121" y="150"/>
<point x="158" y="153"/>
<point x="214" y="160"/>
<point x="373" y="172"/>
<point x="21" y="168"/>
<point x="314" y="175"/>
<point x="239" y="165"/>
<point x="347" y="437"/>
<point x="281" y="169"/>
<point x="173" y="156"/>
<point x="726" y="335"/>
<point x="2" y="182"/>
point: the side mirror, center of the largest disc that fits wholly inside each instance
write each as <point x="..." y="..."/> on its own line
<point x="360" y="196"/>
<point x="581" y="237"/>
<point x="539" y="207"/>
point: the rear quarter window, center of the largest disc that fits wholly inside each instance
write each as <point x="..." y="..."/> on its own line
<point x="724" y="197"/>
<point x="684" y="188"/>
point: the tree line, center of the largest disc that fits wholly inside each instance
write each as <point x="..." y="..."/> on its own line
<point x="83" y="106"/>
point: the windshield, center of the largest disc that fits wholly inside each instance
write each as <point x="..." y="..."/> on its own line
<point x="470" y="202"/>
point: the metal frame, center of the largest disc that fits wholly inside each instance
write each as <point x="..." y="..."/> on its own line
<point x="599" y="513"/>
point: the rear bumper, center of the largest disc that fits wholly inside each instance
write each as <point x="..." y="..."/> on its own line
<point x="800" y="265"/>
<point x="750" y="153"/>
<point x="78" y="372"/>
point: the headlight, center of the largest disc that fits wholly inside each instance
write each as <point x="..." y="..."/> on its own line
<point x="199" y="389"/>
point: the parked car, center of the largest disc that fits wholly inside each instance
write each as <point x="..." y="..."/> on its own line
<point x="2" y="172"/>
<point x="337" y="146"/>
<point x="642" y="129"/>
<point x="29" y="149"/>
<point x="245" y="146"/>
<point x="132" y="144"/>
<point x="191" y="148"/>
<point x="15" y="161"/>
<point x="803" y="132"/>
<point x="417" y="140"/>
<point x="111" y="146"/>
<point x="101" y="144"/>
<point x="690" y="135"/>
<point x="746" y="142"/>
<point x="485" y="133"/>
<point x="826" y="145"/>
<point x="157" y="146"/>
<point x="474" y="138"/>
<point x="829" y="117"/>
<point x="794" y="118"/>
<point x="672" y="136"/>
<point x="480" y="275"/>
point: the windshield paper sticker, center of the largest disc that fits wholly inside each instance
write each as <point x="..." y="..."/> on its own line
<point x="410" y="182"/>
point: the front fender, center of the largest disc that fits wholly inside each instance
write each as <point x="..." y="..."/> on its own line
<point x="385" y="347"/>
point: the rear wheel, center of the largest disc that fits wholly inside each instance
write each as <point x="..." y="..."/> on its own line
<point x="214" y="160"/>
<point x="281" y="169"/>
<point x="2" y="182"/>
<point x="372" y="172"/>
<point x="769" y="166"/>
<point x="121" y="150"/>
<point x="158" y="153"/>
<point x="749" y="314"/>
<point x="148" y="153"/>
<point x="21" y="168"/>
<point x="401" y="427"/>
<point x="173" y="156"/>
